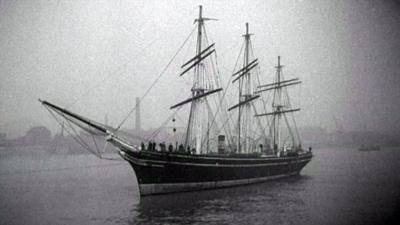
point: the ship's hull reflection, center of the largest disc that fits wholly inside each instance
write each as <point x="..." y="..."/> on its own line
<point x="218" y="205"/>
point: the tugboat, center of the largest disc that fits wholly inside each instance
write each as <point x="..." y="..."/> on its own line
<point x="217" y="150"/>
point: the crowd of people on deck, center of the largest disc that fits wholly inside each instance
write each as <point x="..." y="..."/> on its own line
<point x="162" y="147"/>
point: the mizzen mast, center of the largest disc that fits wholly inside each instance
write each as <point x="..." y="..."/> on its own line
<point x="278" y="106"/>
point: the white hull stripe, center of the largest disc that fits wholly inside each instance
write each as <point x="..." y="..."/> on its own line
<point x="224" y="158"/>
<point x="150" y="189"/>
<point x="157" y="163"/>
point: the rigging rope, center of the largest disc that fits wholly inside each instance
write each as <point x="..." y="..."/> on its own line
<point x="223" y="125"/>
<point x="109" y="76"/>
<point x="78" y="140"/>
<point x="216" y="71"/>
<point x="156" y="80"/>
<point x="259" y="83"/>
<point x="286" y="93"/>
<point x="119" y="68"/>
<point x="223" y="96"/>
<point x="258" y="76"/>
<point x="97" y="147"/>
<point x="156" y="132"/>
<point x="294" y="121"/>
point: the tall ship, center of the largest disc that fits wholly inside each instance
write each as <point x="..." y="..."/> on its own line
<point x="250" y="139"/>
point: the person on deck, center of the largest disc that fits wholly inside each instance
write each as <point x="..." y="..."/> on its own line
<point x="142" y="146"/>
<point x="170" y="148"/>
<point x="188" y="150"/>
<point x="154" y="146"/>
<point x="181" y="149"/>
<point x="161" y="146"/>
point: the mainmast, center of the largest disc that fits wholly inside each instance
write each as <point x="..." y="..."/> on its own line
<point x="199" y="28"/>
<point x="245" y="96"/>
<point x="244" y="86"/>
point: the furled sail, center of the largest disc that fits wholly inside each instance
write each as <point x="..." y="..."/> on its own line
<point x="278" y="112"/>
<point x="278" y="85"/>
<point x="198" y="55"/>
<point x="198" y="58"/>
<point x="246" y="67"/>
<point x="244" y="72"/>
<point x="244" y="102"/>
<point x="196" y="97"/>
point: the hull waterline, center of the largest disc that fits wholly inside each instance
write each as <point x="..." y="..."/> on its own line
<point x="163" y="173"/>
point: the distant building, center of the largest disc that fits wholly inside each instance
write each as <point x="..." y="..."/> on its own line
<point x="3" y="139"/>
<point x="137" y="116"/>
<point x="3" y="136"/>
<point x="313" y="135"/>
<point x="39" y="135"/>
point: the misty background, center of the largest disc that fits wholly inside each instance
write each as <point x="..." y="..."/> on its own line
<point x="95" y="57"/>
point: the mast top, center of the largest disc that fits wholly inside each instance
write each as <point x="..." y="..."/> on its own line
<point x="279" y="63"/>
<point x="279" y="60"/>
<point x="247" y="34"/>
<point x="201" y="19"/>
<point x="200" y="12"/>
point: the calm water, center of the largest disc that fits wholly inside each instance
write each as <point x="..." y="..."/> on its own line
<point x="339" y="186"/>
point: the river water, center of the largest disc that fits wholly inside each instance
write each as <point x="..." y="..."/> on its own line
<point x="339" y="186"/>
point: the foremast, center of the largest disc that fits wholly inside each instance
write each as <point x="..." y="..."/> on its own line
<point x="199" y="117"/>
<point x="197" y="108"/>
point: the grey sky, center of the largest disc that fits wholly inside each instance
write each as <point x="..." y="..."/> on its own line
<point x="96" y="56"/>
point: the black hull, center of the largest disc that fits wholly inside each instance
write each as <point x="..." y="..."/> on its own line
<point x="161" y="173"/>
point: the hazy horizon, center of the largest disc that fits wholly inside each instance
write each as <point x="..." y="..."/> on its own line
<point x="95" y="57"/>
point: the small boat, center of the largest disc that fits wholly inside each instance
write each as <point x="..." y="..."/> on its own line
<point x="217" y="151"/>
<point x="365" y="148"/>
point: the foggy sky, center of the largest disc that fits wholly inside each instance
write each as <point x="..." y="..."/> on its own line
<point x="95" y="57"/>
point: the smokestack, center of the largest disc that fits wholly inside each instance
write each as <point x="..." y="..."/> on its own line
<point x="137" y="115"/>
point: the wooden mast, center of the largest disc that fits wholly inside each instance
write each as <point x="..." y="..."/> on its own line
<point x="277" y="105"/>
<point x="245" y="95"/>
<point x="197" y="89"/>
<point x="244" y="83"/>
<point x="197" y="128"/>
